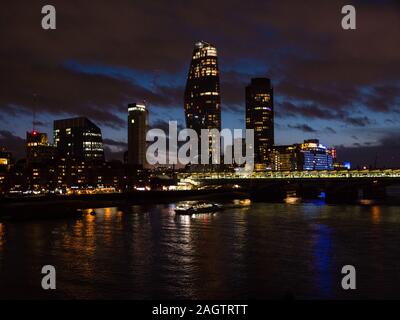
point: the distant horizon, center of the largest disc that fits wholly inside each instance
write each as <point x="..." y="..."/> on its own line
<point x="118" y="156"/>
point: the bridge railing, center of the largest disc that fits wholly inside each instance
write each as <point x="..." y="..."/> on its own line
<point x="333" y="174"/>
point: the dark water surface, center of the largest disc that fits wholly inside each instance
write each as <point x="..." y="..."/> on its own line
<point x="265" y="251"/>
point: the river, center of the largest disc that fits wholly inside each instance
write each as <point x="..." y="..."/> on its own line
<point x="263" y="251"/>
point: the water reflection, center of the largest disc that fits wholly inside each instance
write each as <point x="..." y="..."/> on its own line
<point x="2" y="235"/>
<point x="376" y="214"/>
<point x="261" y="251"/>
<point x="292" y="200"/>
<point x="323" y="261"/>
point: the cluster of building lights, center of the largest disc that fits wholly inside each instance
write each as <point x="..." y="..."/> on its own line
<point x="137" y="107"/>
<point x="79" y="138"/>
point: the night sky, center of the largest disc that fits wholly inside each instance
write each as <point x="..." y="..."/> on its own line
<point x="341" y="86"/>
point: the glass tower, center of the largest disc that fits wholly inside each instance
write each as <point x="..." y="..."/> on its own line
<point x="260" y="117"/>
<point x="137" y="129"/>
<point x="202" y="94"/>
<point x="79" y="139"/>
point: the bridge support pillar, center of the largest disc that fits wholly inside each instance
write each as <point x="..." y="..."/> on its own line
<point x="268" y="194"/>
<point x="341" y="194"/>
<point x="308" y="192"/>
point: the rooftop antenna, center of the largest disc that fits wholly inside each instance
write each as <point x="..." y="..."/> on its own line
<point x="34" y="111"/>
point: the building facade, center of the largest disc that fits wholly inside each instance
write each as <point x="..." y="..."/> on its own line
<point x="315" y="156"/>
<point x="285" y="158"/>
<point x="202" y="101"/>
<point x="310" y="155"/>
<point x="38" y="149"/>
<point x="137" y="129"/>
<point x="260" y="117"/>
<point x="78" y="138"/>
<point x="5" y="166"/>
<point x="202" y="92"/>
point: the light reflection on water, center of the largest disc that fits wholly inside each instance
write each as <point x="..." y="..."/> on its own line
<point x="376" y="214"/>
<point x="2" y="236"/>
<point x="261" y="251"/>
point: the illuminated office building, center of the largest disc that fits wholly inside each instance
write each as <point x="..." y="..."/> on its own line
<point x="78" y="138"/>
<point x="137" y="129"/>
<point x="285" y="158"/>
<point x="333" y="153"/>
<point x="5" y="158"/>
<point x="315" y="156"/>
<point x="5" y="164"/>
<point x="202" y="99"/>
<point x="260" y="117"/>
<point x="310" y="155"/>
<point x="38" y="149"/>
<point x="40" y="154"/>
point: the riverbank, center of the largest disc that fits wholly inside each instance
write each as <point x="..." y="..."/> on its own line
<point x="60" y="206"/>
<point x="63" y="206"/>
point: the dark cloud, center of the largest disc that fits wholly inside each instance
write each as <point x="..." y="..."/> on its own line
<point x="358" y="121"/>
<point x="318" y="70"/>
<point x="96" y="96"/>
<point x="38" y="123"/>
<point x="330" y="130"/>
<point x="328" y="96"/>
<point x="13" y="143"/>
<point x="114" y="143"/>
<point x="114" y="149"/>
<point x="312" y="111"/>
<point x="233" y="85"/>
<point x="164" y="125"/>
<point x="307" y="110"/>
<point x="302" y="127"/>
<point x="383" y="98"/>
<point x="391" y="121"/>
<point x="385" y="154"/>
<point x="316" y="60"/>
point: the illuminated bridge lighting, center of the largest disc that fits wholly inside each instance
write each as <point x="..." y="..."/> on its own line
<point x="351" y="174"/>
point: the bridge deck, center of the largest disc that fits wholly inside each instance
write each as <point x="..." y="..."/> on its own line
<point x="342" y="174"/>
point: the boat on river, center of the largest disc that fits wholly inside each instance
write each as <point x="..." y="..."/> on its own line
<point x="198" y="208"/>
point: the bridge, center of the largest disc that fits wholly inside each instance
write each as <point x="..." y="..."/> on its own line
<point x="341" y="185"/>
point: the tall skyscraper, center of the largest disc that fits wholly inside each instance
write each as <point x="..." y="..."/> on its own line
<point x="202" y="99"/>
<point x="79" y="139"/>
<point x="137" y="129"/>
<point x="260" y="117"/>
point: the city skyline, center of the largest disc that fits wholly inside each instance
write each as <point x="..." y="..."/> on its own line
<point x="340" y="93"/>
<point x="256" y="87"/>
<point x="200" y="157"/>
